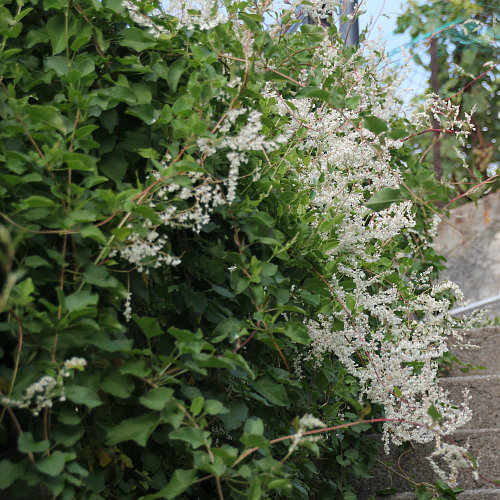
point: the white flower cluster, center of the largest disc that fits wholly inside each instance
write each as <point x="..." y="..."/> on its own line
<point x="43" y="392"/>
<point x="127" y="308"/>
<point x="74" y="363"/>
<point x="190" y="203"/>
<point x="305" y="423"/>
<point x="248" y="138"/>
<point x="141" y="19"/>
<point x="390" y="339"/>
<point x="145" y="252"/>
<point x="187" y="206"/>
<point x="446" y="114"/>
<point x="318" y="9"/>
<point x="455" y="458"/>
<point x="395" y="362"/>
<point x="205" y="14"/>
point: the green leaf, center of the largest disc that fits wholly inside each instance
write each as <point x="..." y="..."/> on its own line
<point x="57" y="33"/>
<point x="49" y="116"/>
<point x="136" y="429"/>
<point x="254" y="426"/>
<point x="311" y="298"/>
<point x="196" y="405"/>
<point x="26" y="444"/>
<point x="100" y="276"/>
<point x="85" y="131"/>
<point x="69" y="417"/>
<point x="228" y="326"/>
<point x="383" y="198"/>
<point x="174" y="73"/>
<point x="137" y="367"/>
<point x="275" y="393"/>
<point x="38" y="201"/>
<point x="434" y="413"/>
<point x="110" y="345"/>
<point x="313" y="92"/>
<point x="80" y="300"/>
<point x="180" y="482"/>
<point x="238" y="283"/>
<point x="214" y="407"/>
<point x="78" y="161"/>
<point x="137" y="39"/>
<point x="118" y="385"/>
<point x="9" y="472"/>
<point x="165" y="114"/>
<point x="22" y="292"/>
<point x="183" y="104"/>
<point x="148" y="153"/>
<point x="223" y="291"/>
<point x="149" y="326"/>
<point x="58" y="63"/>
<point x="157" y="399"/>
<point x="67" y="436"/>
<point x="255" y="491"/>
<point x="83" y="395"/>
<point x="53" y="465"/>
<point x="195" y="436"/>
<point x="237" y="414"/>
<point x="297" y="332"/>
<point x="36" y="261"/>
<point x="145" y="112"/>
<point x="114" y="167"/>
<point x="398" y="133"/>
<point x="268" y="269"/>
<point x="398" y="392"/>
<point x="375" y="124"/>
<point x="94" y="233"/>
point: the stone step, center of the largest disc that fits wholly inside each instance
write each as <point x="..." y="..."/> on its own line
<point x="485" y="401"/>
<point x="487" y="354"/>
<point x="483" y="432"/>
<point x="477" y="494"/>
<point x="413" y="463"/>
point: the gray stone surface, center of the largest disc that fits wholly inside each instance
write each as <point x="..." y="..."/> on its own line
<point x="471" y="244"/>
<point x="482" y="388"/>
<point x="482" y="433"/>
<point x="470" y="241"/>
<point x="487" y="353"/>
<point x="482" y="494"/>
<point x="413" y="464"/>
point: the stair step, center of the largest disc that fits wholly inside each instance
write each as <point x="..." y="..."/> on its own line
<point x="485" y="401"/>
<point x="468" y="379"/>
<point x="487" y="355"/>
<point x="484" y="446"/>
<point x="476" y="494"/>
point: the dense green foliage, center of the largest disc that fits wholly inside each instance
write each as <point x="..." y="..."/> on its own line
<point x="173" y="401"/>
<point x="467" y="49"/>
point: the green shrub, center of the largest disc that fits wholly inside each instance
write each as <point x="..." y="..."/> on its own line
<point x="184" y="208"/>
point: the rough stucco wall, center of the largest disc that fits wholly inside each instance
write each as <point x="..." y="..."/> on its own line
<point x="471" y="245"/>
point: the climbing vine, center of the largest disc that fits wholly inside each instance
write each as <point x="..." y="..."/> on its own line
<point x="217" y="272"/>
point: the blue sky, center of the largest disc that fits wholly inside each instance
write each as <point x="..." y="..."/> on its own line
<point x="384" y="15"/>
<point x="381" y="16"/>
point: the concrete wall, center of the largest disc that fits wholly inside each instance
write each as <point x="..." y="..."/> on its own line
<point x="471" y="245"/>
